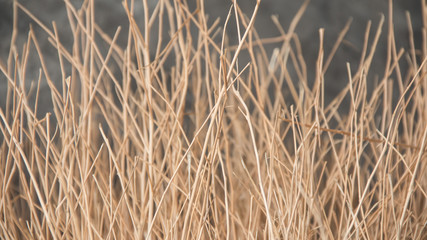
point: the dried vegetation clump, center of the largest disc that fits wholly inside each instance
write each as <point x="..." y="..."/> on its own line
<point x="212" y="146"/>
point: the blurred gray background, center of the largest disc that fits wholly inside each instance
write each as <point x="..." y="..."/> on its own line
<point x="331" y="15"/>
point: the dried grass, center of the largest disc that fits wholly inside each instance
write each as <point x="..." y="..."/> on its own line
<point x="210" y="148"/>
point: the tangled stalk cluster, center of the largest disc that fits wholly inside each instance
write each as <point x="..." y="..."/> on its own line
<point x="189" y="139"/>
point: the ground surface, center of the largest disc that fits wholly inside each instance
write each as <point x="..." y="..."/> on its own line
<point x="331" y="15"/>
